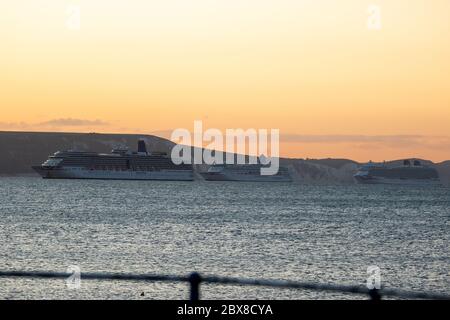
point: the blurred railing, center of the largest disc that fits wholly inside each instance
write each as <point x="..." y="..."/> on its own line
<point x="195" y="280"/>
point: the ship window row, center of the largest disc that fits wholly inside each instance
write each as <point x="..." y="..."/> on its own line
<point x="116" y="161"/>
<point x="123" y="168"/>
<point x="124" y="165"/>
<point x="166" y="163"/>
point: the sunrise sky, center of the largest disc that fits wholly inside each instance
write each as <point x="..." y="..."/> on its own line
<point x="313" y="69"/>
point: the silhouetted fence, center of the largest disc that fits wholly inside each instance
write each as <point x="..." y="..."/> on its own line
<point x="195" y="280"/>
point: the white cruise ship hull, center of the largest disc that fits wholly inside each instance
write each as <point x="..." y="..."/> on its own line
<point x="407" y="182"/>
<point x="83" y="173"/>
<point x="244" y="178"/>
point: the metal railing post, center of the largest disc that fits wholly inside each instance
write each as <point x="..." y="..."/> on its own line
<point x="194" y="280"/>
<point x="374" y="295"/>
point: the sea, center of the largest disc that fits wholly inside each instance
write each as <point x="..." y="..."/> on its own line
<point x="328" y="234"/>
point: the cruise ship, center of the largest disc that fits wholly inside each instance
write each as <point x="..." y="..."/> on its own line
<point x="244" y="172"/>
<point x="412" y="172"/>
<point x="120" y="164"/>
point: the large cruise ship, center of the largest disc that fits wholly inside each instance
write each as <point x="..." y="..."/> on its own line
<point x="412" y="172"/>
<point x="244" y="172"/>
<point x="120" y="164"/>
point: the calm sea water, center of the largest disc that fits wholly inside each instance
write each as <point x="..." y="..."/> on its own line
<point x="327" y="234"/>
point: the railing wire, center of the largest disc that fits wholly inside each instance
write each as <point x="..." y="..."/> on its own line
<point x="195" y="279"/>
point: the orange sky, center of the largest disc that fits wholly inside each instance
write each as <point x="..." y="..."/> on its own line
<point x="312" y="69"/>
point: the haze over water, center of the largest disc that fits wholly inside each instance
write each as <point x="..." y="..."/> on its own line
<point x="326" y="234"/>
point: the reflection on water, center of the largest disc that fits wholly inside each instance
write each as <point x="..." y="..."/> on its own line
<point x="309" y="233"/>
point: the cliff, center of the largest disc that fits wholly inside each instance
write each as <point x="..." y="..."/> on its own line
<point x="21" y="150"/>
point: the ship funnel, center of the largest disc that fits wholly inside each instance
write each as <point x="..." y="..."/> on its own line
<point x="141" y="146"/>
<point x="262" y="159"/>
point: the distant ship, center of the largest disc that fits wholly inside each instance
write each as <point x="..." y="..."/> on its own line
<point x="120" y="164"/>
<point x="244" y="172"/>
<point x="412" y="172"/>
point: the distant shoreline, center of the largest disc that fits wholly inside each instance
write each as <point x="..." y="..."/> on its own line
<point x="22" y="150"/>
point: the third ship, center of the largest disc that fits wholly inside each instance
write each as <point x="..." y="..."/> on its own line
<point x="412" y="172"/>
